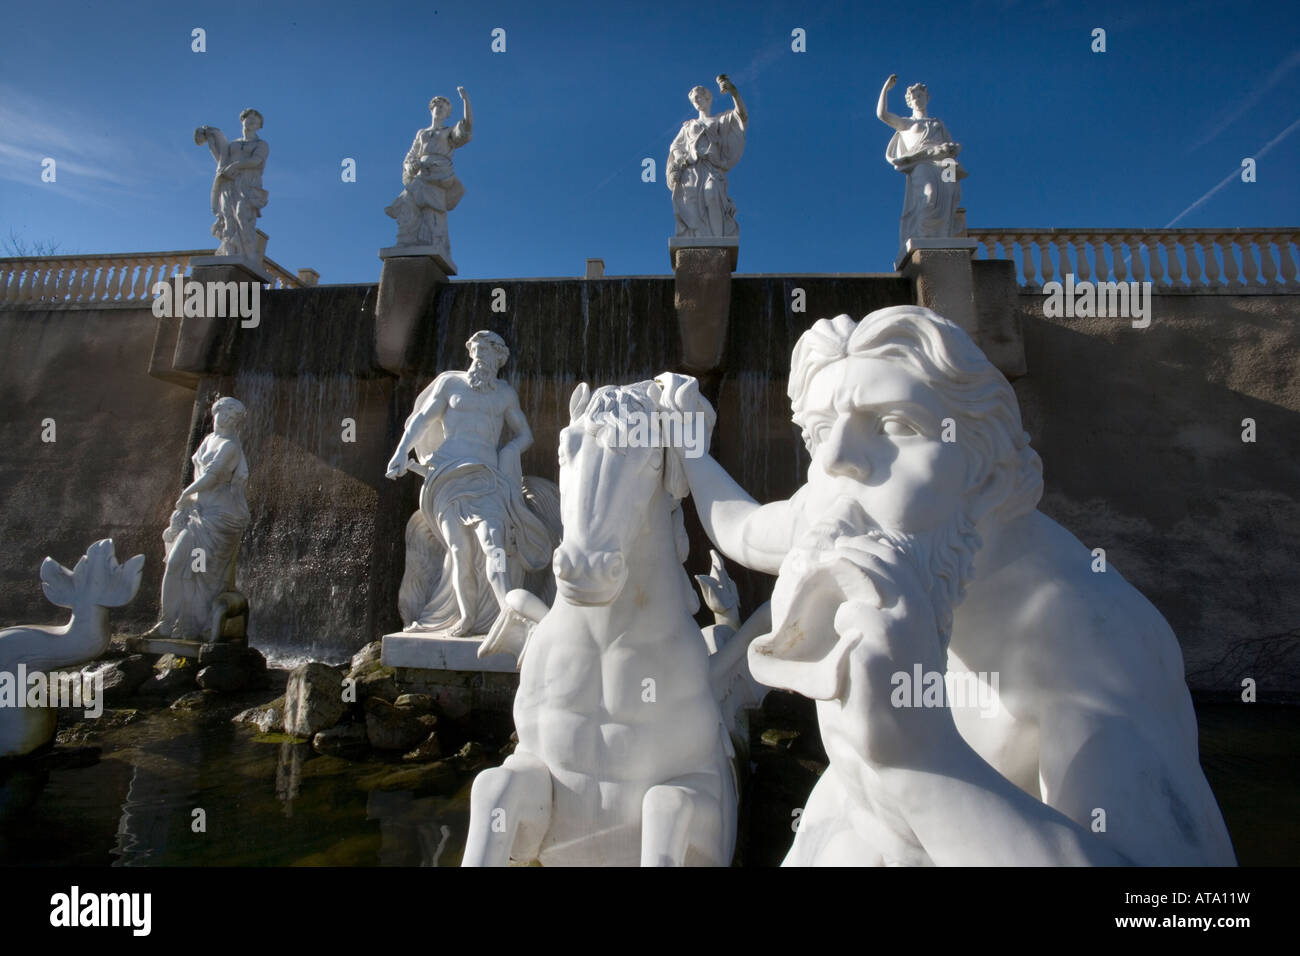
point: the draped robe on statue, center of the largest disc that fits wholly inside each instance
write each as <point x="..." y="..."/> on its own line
<point x="930" y="204"/>
<point x="468" y="490"/>
<point x="709" y="148"/>
<point x="216" y="522"/>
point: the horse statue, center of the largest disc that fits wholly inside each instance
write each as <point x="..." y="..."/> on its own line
<point x="624" y="754"/>
<point x="97" y="583"/>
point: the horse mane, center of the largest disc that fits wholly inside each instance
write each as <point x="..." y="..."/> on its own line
<point x="600" y="414"/>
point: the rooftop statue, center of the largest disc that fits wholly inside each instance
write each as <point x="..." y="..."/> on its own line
<point x="430" y="186"/>
<point x="922" y="149"/>
<point x="703" y="152"/>
<point x="237" y="193"/>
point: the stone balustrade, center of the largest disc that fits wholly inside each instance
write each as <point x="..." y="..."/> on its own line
<point x="1197" y="261"/>
<point x="119" y="280"/>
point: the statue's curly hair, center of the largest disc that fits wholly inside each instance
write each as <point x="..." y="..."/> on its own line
<point x="944" y="356"/>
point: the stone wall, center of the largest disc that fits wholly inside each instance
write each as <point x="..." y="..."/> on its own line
<point x="1140" y="432"/>
<point x="115" y="466"/>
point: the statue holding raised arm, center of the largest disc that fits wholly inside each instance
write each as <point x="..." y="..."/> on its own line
<point x="922" y="149"/>
<point x="237" y="193"/>
<point x="704" y="151"/>
<point x="431" y="188"/>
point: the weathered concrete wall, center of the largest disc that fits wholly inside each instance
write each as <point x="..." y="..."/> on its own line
<point x="1140" y="431"/>
<point x="114" y="469"/>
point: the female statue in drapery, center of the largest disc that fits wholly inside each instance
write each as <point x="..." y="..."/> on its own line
<point x="704" y="151"/>
<point x="431" y="188"/>
<point x="922" y="149"/>
<point x="237" y="193"/>
<point x="202" y="539"/>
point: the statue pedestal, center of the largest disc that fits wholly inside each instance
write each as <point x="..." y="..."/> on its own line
<point x="942" y="272"/>
<point x="438" y="651"/>
<point x="702" y="296"/>
<point x="198" y="337"/>
<point x="407" y="284"/>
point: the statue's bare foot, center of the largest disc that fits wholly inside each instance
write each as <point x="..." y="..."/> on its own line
<point x="460" y="628"/>
<point x="158" y="630"/>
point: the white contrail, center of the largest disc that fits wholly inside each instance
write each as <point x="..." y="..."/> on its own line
<point x="1235" y="173"/>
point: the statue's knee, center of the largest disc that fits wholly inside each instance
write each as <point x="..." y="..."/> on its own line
<point x="666" y="802"/>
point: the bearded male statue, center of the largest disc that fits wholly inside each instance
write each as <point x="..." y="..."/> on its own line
<point x="482" y="527"/>
<point x="913" y="562"/>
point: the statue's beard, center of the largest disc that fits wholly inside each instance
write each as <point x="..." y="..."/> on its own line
<point x="941" y="558"/>
<point x="482" y="377"/>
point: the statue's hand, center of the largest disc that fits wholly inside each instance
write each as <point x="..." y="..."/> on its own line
<point x="891" y="82"/>
<point x="891" y="624"/>
<point x="725" y="85"/>
<point x="681" y="393"/>
<point x="396" y="467"/>
<point x="718" y="589"/>
<point x="461" y="90"/>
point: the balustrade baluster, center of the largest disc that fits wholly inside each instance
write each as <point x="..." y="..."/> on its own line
<point x="1268" y="266"/>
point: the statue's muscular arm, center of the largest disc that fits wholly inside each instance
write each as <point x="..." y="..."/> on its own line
<point x="432" y="411"/>
<point x="514" y="417"/>
<point x="757" y="536"/>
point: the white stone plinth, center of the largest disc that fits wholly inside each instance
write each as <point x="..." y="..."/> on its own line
<point x="436" y="651"/>
<point x="432" y="252"/>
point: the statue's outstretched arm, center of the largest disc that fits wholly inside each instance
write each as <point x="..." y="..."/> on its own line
<point x="415" y="426"/>
<point x="726" y="86"/>
<point x="757" y="536"/>
<point x="465" y="127"/>
<point x="882" y="106"/>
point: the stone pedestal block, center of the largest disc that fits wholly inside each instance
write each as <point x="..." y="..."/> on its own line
<point x="440" y="652"/>
<point x="702" y="296"/>
<point x="406" y="286"/>
<point x="197" y="336"/>
<point x="941" y="269"/>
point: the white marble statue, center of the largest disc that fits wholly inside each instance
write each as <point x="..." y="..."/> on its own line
<point x="922" y="149"/>
<point x="624" y="755"/>
<point x="237" y="193"/>
<point x="701" y="155"/>
<point x="986" y="696"/>
<point x="430" y="186"/>
<point x="28" y="653"/>
<point x="202" y="538"/>
<point x="481" y="526"/>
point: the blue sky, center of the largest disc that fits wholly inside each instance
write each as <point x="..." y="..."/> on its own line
<point x="1052" y="133"/>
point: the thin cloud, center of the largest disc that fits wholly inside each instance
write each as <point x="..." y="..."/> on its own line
<point x="1248" y="102"/>
<point x="32" y="129"/>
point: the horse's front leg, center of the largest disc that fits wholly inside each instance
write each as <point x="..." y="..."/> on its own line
<point x="510" y="811"/>
<point x="677" y="814"/>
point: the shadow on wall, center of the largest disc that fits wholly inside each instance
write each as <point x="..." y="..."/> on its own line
<point x="1140" y="432"/>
